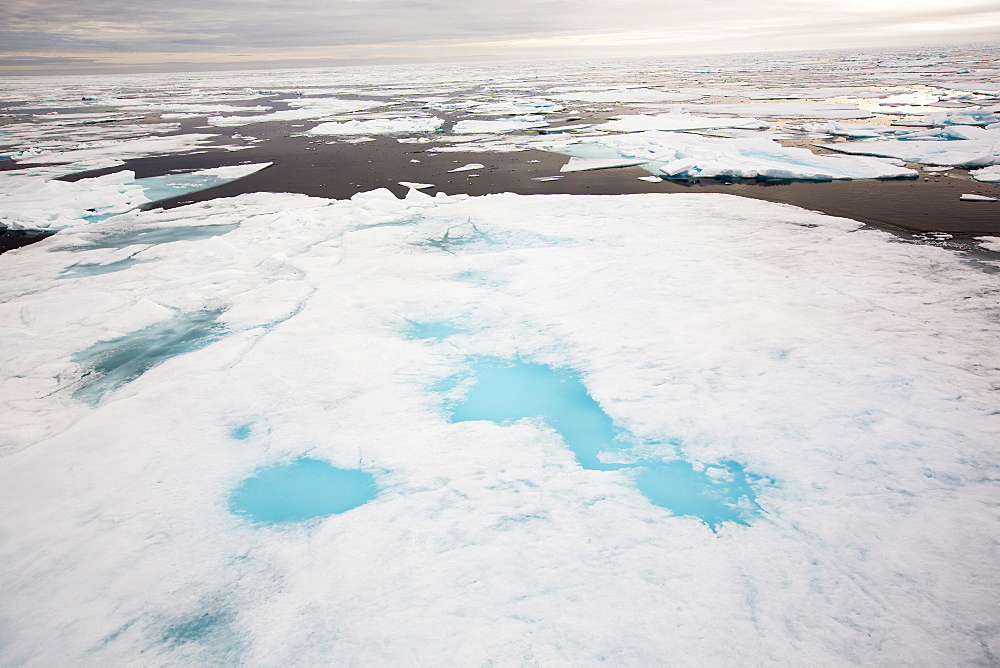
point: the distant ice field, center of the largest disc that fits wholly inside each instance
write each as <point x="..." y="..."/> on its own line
<point x="490" y="365"/>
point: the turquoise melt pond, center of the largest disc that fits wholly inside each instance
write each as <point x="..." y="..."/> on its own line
<point x="302" y="490"/>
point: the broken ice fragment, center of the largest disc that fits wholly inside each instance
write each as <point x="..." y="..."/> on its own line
<point x="466" y="168"/>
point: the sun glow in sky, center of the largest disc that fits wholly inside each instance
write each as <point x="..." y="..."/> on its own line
<point x="57" y="36"/>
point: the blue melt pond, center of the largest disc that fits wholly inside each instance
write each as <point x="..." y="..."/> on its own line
<point x="112" y="364"/>
<point x="431" y="330"/>
<point x="504" y="391"/>
<point x="302" y="490"/>
<point x="508" y="391"/>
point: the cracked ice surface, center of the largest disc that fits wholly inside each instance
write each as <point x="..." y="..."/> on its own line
<point x="849" y="369"/>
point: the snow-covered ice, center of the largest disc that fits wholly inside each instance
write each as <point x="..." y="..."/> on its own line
<point x="470" y="127"/>
<point x="683" y="155"/>
<point x="677" y="120"/>
<point x="955" y="153"/>
<point x="380" y="126"/>
<point x="468" y="167"/>
<point x="34" y="202"/>
<point x="823" y="384"/>
<point x="989" y="174"/>
<point x="757" y="434"/>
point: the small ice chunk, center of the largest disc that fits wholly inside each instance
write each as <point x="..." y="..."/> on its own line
<point x="415" y="186"/>
<point x="990" y="243"/>
<point x="467" y="168"/>
<point x="977" y="198"/>
<point x="651" y="179"/>
<point x="546" y="178"/>
<point x="678" y="121"/>
<point x="987" y="174"/>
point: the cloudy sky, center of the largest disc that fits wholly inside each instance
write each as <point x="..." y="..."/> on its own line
<point x="91" y="35"/>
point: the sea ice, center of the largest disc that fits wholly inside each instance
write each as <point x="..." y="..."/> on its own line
<point x="955" y="153"/>
<point x="852" y="130"/>
<point x="677" y="121"/>
<point x="824" y="382"/>
<point x="468" y="168"/>
<point x="965" y="116"/>
<point x="977" y="198"/>
<point x="686" y="156"/>
<point x="989" y="174"/>
<point x="304" y="109"/>
<point x="626" y="96"/>
<point x="468" y="127"/>
<point x="30" y="202"/>
<point x="783" y="110"/>
<point x="380" y="126"/>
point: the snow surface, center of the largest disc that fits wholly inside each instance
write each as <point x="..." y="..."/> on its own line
<point x="682" y="155"/>
<point x="847" y="371"/>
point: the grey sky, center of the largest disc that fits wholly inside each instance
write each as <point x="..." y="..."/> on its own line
<point x="65" y="35"/>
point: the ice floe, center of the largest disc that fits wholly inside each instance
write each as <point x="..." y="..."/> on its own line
<point x="976" y="198"/>
<point x="677" y="120"/>
<point x="783" y="110"/>
<point x="469" y="127"/>
<point x="791" y="417"/>
<point x="955" y="152"/>
<point x="105" y="154"/>
<point x="687" y="156"/>
<point x="380" y="126"/>
<point x="989" y="174"/>
<point x="966" y="116"/>
<point x="304" y="109"/>
<point x="32" y="202"/>
<point x="468" y="168"/>
<point x="626" y="95"/>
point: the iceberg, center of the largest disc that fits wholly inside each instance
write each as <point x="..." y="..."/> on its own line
<point x="686" y="156"/>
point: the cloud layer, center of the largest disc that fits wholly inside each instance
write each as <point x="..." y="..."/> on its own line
<point x="193" y="31"/>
